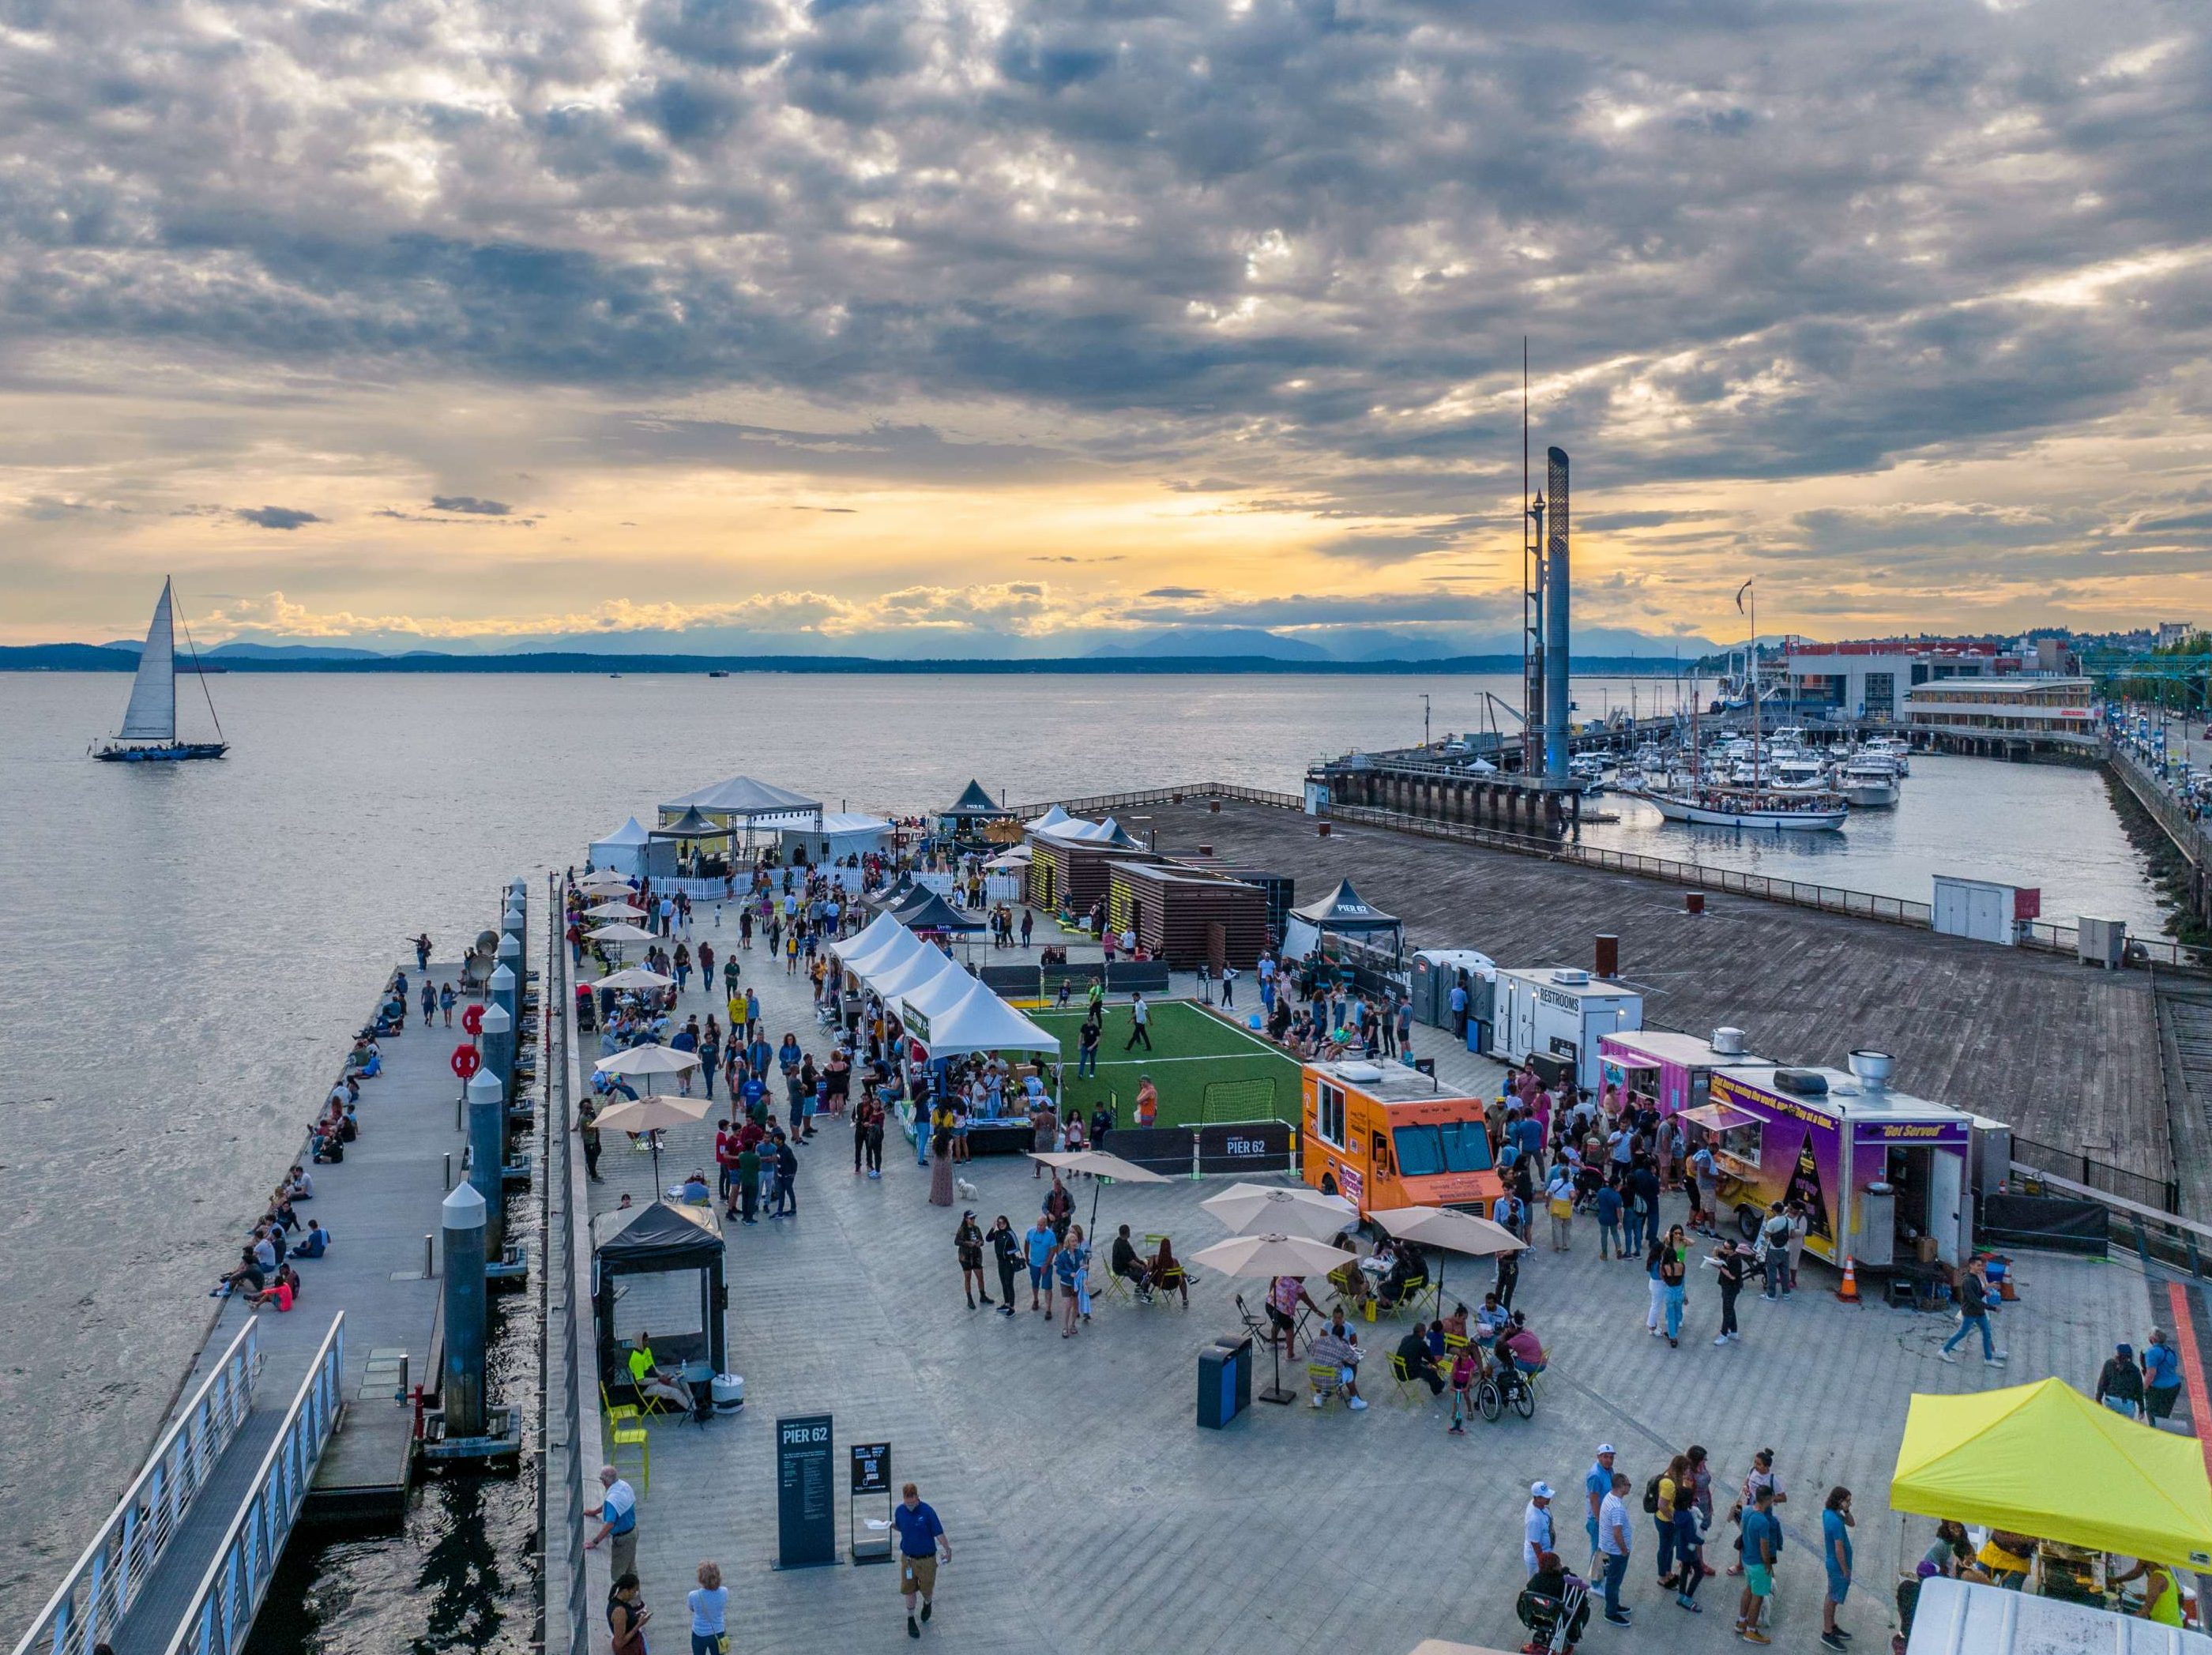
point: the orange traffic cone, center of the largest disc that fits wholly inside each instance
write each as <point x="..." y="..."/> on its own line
<point x="1849" y="1292"/>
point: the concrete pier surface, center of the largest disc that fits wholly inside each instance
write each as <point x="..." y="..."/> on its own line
<point x="1088" y="1512"/>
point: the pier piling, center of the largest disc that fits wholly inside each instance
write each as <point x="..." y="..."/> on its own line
<point x="499" y="1046"/>
<point x="487" y="1149"/>
<point x="465" y="1215"/>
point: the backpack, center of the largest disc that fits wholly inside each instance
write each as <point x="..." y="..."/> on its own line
<point x="1651" y="1494"/>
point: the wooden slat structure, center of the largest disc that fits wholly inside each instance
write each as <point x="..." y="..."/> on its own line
<point x="1068" y="877"/>
<point x="2068" y="1054"/>
<point x="1172" y="907"/>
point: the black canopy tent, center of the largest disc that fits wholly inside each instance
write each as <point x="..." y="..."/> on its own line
<point x="663" y="1239"/>
<point x="1343" y="913"/>
<point x="694" y="825"/>
<point x="931" y="912"/>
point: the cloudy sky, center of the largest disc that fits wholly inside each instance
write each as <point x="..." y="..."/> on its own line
<point x="980" y="324"/>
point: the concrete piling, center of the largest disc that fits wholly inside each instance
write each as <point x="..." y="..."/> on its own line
<point x="466" y="1216"/>
<point x="504" y="977"/>
<point x="498" y="1035"/>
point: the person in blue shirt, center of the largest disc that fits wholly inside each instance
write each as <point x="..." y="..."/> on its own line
<point x="1835" y="1554"/>
<point x="922" y="1541"/>
<point x="312" y="1245"/>
<point x="1762" y="1550"/>
<point x="2161" y="1370"/>
<point x="1039" y="1242"/>
<point x="1597" y="1483"/>
<point x="1607" y="1202"/>
<point x="753" y="1093"/>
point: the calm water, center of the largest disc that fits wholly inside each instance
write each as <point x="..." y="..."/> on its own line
<point x="193" y="944"/>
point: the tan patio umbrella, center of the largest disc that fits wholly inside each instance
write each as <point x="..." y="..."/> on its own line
<point x="1099" y="1165"/>
<point x="620" y="931"/>
<point x="614" y="911"/>
<point x="1269" y="1256"/>
<point x="633" y="976"/>
<point x="648" y="1060"/>
<point x="604" y="879"/>
<point x="1295" y="1210"/>
<point x="1452" y="1232"/>
<point x="652" y="1115"/>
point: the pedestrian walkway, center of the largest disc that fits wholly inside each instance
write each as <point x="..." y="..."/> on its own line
<point x="1087" y="1512"/>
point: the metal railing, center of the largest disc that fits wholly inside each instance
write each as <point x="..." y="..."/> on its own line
<point x="563" y="1396"/>
<point x="90" y="1603"/>
<point x="2163" y="1195"/>
<point x="220" y="1616"/>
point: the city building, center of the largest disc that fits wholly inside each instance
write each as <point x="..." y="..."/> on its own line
<point x="2171" y="633"/>
<point x="1871" y="679"/>
<point x="2005" y="713"/>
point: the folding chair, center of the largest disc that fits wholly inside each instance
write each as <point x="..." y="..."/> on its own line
<point x="1116" y="1286"/>
<point x="648" y="1404"/>
<point x="1326" y="1378"/>
<point x="626" y="1430"/>
<point x="1260" y="1330"/>
<point x="1404" y="1379"/>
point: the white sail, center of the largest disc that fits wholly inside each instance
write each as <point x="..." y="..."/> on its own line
<point x="152" y="714"/>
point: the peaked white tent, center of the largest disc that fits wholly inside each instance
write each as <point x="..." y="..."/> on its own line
<point x="741" y="796"/>
<point x="873" y="934"/>
<point x="916" y="974"/>
<point x="627" y="850"/>
<point x="978" y="1021"/>
<point x="887" y="956"/>
<point x="1052" y="818"/>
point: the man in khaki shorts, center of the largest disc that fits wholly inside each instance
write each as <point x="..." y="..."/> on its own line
<point x="921" y="1539"/>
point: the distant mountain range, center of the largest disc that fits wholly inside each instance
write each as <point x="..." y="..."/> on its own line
<point x="1182" y="649"/>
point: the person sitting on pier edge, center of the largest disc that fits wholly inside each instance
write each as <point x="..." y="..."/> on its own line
<point x="651" y="1379"/>
<point x="314" y="1243"/>
<point x="693" y="1193"/>
<point x="326" y="1148"/>
<point x="300" y="1184"/>
<point x="282" y="1293"/>
<point x="247" y="1275"/>
<point x="365" y="1062"/>
<point x="1127" y="1265"/>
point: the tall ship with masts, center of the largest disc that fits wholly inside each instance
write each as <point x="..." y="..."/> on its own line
<point x="149" y="734"/>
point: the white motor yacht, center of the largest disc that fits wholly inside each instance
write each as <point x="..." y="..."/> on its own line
<point x="1869" y="784"/>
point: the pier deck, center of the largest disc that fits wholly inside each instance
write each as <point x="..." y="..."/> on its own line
<point x="1087" y="1512"/>
<point x="2067" y="1054"/>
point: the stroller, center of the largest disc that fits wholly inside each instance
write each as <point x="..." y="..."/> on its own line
<point x="1555" y="1624"/>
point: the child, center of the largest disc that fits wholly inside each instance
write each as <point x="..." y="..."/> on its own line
<point x="1462" y="1386"/>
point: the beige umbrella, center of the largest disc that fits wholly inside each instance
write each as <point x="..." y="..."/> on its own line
<point x="1296" y="1210"/>
<point x="652" y="1115"/>
<point x="634" y="976"/>
<point x="621" y="931"/>
<point x="1271" y="1256"/>
<point x="604" y="879"/>
<point x="648" y="1060"/>
<point x="1100" y="1165"/>
<point x="614" y="911"/>
<point x="1453" y="1232"/>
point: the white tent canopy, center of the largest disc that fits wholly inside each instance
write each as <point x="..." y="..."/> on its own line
<point x="623" y="851"/>
<point x="935" y="994"/>
<point x="842" y="833"/>
<point x="1073" y="829"/>
<point x="886" y="956"/>
<point x="923" y="966"/>
<point x="1051" y="819"/>
<point x="869" y="937"/>
<point x="981" y="1021"/>
<point x="743" y="796"/>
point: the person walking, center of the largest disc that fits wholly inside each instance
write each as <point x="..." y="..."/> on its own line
<point x="1734" y="1265"/>
<point x="1006" y="1253"/>
<point x="618" y="1514"/>
<point x="784" y="1203"/>
<point x="1973" y="1313"/>
<point x="2161" y="1372"/>
<point x="1039" y="1242"/>
<point x="1029" y="924"/>
<point x="627" y="1615"/>
<point x="922" y="1543"/>
<point x="1228" y="988"/>
<point x="1774" y="1243"/>
<point x="747" y="1191"/>
<point x="1559" y="1201"/>
<point x="1690" y="1570"/>
<point x="1607" y="1202"/>
<point x="1666" y="1491"/>
<point x="1836" y="1525"/>
<point x="2119" y="1384"/>
<point x="1614" y="1544"/>
<point x="1072" y="1262"/>
<point x="968" y="1243"/>
<point x="1086" y="1048"/>
<point x="709" y="1604"/>
<point x="1140" y="1020"/>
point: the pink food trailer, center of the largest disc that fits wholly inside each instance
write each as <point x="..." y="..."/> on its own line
<point x="1674" y="1069"/>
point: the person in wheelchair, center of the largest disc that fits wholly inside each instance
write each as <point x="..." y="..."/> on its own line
<point x="1555" y="1608"/>
<point x="1519" y="1355"/>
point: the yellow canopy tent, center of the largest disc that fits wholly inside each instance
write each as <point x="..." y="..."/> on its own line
<point x="2044" y="1460"/>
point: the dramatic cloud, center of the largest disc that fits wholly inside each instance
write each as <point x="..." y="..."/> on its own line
<point x="276" y="517"/>
<point x="1242" y="284"/>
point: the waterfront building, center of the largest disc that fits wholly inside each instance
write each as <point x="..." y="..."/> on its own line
<point x="2040" y="713"/>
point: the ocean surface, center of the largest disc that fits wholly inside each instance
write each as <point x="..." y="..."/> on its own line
<point x="192" y="944"/>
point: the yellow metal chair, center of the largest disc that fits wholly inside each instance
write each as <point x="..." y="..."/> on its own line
<point x="626" y="1430"/>
<point x="1404" y="1379"/>
<point x="1326" y="1378"/>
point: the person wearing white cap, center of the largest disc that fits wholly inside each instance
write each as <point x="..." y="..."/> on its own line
<point x="1597" y="1484"/>
<point x="1537" y="1527"/>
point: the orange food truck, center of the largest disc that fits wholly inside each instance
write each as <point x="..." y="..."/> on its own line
<point x="1383" y="1135"/>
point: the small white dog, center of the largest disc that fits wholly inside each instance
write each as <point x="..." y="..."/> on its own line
<point x="966" y="1190"/>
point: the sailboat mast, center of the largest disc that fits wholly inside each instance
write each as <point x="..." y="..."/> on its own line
<point x="1751" y="679"/>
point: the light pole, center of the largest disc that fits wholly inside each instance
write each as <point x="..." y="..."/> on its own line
<point x="1425" y="722"/>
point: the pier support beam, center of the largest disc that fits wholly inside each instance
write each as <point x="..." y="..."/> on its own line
<point x="488" y="1151"/>
<point x="462" y="1390"/>
<point x="501" y="990"/>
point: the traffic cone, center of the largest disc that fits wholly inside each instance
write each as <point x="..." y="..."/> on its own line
<point x="1849" y="1292"/>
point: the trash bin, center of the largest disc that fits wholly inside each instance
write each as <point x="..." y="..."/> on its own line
<point x="1225" y="1381"/>
<point x="1478" y="1037"/>
<point x="727" y="1393"/>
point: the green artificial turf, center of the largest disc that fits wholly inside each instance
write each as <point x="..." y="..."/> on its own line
<point x="1195" y="1055"/>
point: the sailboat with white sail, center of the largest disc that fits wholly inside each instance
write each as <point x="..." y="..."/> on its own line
<point x="149" y="734"/>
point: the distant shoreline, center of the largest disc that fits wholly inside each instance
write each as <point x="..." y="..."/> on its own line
<point x="92" y="658"/>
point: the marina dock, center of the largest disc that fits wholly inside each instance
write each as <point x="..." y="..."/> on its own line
<point x="306" y="1419"/>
